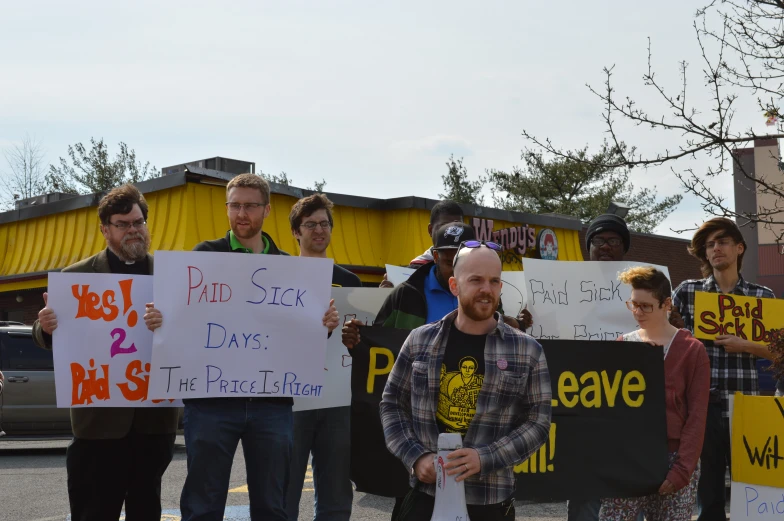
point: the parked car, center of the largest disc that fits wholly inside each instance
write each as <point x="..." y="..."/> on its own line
<point x="28" y="404"/>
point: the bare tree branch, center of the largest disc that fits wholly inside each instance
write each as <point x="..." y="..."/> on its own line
<point x="25" y="175"/>
<point x="741" y="44"/>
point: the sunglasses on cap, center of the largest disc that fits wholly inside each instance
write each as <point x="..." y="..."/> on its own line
<point x="476" y="244"/>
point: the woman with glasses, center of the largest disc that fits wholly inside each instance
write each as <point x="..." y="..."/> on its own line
<point x="687" y="382"/>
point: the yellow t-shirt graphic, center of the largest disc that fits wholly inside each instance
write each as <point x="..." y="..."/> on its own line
<point x="458" y="394"/>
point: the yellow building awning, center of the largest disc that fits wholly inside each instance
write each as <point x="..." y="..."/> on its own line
<point x="185" y="209"/>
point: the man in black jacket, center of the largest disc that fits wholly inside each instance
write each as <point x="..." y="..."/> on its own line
<point x="324" y="433"/>
<point x="214" y="426"/>
<point x="118" y="454"/>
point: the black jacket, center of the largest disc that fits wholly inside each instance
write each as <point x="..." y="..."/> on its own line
<point x="224" y="245"/>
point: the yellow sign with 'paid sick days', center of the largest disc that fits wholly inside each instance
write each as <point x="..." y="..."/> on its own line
<point x="750" y="318"/>
<point x="758" y="440"/>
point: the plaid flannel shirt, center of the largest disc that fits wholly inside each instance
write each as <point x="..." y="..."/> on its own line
<point x="513" y="408"/>
<point x="729" y="372"/>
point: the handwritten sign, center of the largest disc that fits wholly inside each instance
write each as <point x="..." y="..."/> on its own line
<point x="239" y="325"/>
<point x="758" y="440"/>
<point x="352" y="303"/>
<point x="101" y="347"/>
<point x="756" y="502"/>
<point x="513" y="292"/>
<point x="579" y="300"/>
<point x="397" y="274"/>
<point x="750" y="318"/>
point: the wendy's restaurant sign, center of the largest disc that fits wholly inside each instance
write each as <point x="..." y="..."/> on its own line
<point x="518" y="239"/>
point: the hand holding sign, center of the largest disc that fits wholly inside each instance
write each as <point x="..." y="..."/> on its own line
<point x="732" y="343"/>
<point x="152" y="317"/>
<point x="47" y="317"/>
<point x="351" y="333"/>
<point x="331" y="318"/>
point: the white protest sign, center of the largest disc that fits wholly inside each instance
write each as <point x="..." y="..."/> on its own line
<point x="579" y="300"/>
<point x="756" y="502"/>
<point x="239" y="325"/>
<point x="101" y="347"/>
<point x="513" y="292"/>
<point x="397" y="275"/>
<point x="352" y="303"/>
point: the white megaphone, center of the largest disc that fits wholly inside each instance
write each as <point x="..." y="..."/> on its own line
<point x="450" y="495"/>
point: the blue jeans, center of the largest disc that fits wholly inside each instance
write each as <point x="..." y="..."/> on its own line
<point x="213" y="428"/>
<point x="326" y="433"/>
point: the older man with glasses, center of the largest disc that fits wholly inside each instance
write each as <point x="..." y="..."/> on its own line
<point x="118" y="454"/>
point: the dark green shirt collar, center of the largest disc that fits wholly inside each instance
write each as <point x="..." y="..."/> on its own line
<point x="236" y="245"/>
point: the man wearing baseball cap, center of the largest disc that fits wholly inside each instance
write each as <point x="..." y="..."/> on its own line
<point x="425" y="296"/>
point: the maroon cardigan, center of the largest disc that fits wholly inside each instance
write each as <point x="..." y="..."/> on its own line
<point x="687" y="386"/>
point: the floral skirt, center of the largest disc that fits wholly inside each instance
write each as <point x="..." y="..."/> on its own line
<point x="677" y="506"/>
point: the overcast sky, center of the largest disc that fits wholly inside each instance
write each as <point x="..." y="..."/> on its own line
<point x="371" y="97"/>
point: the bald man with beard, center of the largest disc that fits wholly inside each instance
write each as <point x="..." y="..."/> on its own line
<point x="513" y="372"/>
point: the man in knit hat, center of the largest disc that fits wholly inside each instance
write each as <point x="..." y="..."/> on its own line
<point x="608" y="238"/>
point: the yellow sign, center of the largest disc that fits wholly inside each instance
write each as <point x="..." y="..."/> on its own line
<point x="758" y="440"/>
<point x="750" y="318"/>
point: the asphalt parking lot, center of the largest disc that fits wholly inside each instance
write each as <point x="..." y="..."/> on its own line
<point x="33" y="488"/>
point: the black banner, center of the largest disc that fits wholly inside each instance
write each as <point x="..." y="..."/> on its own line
<point x="608" y="436"/>
<point x="373" y="468"/>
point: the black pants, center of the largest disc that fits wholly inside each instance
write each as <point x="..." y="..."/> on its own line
<point x="104" y="474"/>
<point x="418" y="506"/>
<point x="715" y="459"/>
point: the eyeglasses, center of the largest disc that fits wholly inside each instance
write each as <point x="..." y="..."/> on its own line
<point x="122" y="225"/>
<point x="601" y="241"/>
<point x="248" y="207"/>
<point x="310" y="225"/>
<point x="634" y="306"/>
<point x="475" y="244"/>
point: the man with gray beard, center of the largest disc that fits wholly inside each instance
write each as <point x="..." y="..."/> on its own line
<point x="118" y="455"/>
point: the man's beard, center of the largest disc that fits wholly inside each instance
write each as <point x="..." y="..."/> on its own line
<point x="471" y="309"/>
<point x="721" y="264"/>
<point x="129" y="249"/>
<point x="252" y="230"/>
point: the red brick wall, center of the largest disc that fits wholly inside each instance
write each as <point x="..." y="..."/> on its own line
<point x="31" y="304"/>
<point x="664" y="251"/>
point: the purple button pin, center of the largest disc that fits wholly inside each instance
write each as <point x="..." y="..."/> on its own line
<point x="502" y="364"/>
